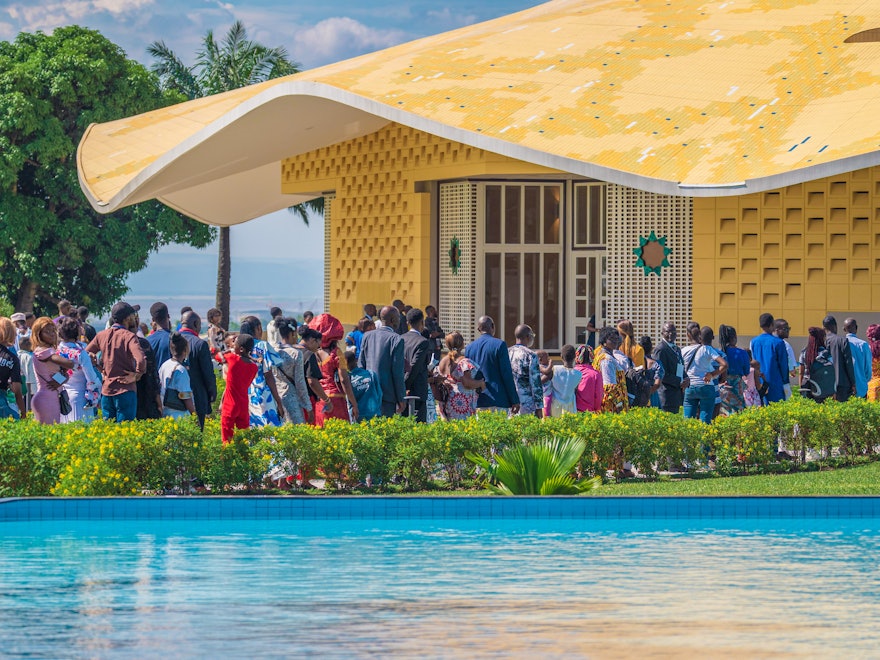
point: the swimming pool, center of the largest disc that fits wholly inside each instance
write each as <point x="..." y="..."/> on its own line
<point x="439" y="577"/>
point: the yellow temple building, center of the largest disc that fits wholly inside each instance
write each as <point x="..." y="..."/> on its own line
<point x="647" y="159"/>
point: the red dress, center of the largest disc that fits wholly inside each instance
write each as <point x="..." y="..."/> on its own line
<point x="234" y="413"/>
<point x="330" y="381"/>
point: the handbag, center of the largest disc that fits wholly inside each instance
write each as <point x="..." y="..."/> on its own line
<point x="172" y="398"/>
<point x="64" y="402"/>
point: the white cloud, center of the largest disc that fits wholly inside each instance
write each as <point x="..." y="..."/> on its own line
<point x="340" y="37"/>
<point x="7" y="31"/>
<point x="49" y="15"/>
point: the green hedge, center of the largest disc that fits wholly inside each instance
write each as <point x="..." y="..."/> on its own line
<point x="132" y="458"/>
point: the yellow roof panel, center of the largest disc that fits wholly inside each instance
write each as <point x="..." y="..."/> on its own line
<point x="674" y="96"/>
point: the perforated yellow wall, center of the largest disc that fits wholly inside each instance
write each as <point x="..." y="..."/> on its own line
<point x="380" y="234"/>
<point x="797" y="252"/>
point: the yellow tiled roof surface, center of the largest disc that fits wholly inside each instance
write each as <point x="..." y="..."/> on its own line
<point x="648" y="93"/>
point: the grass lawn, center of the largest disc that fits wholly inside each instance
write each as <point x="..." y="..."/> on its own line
<point x="862" y="480"/>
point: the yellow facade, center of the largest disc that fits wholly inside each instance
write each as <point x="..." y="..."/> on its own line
<point x="380" y="234"/>
<point x="797" y="252"/>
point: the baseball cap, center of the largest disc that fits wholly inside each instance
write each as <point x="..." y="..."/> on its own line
<point x="122" y="310"/>
<point x="18" y="316"/>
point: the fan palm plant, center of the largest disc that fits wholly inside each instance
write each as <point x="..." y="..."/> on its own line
<point x="542" y="468"/>
<point x="234" y="62"/>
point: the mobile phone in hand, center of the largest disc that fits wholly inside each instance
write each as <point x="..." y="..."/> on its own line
<point x="59" y="378"/>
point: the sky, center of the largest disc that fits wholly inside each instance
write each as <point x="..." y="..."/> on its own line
<point x="314" y="33"/>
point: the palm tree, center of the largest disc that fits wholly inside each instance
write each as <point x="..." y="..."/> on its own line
<point x="233" y="63"/>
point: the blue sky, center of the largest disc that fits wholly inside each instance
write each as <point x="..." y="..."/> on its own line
<point x="314" y="33"/>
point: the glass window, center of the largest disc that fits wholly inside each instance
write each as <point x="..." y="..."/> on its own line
<point x="512" y="214"/>
<point x="580" y="215"/>
<point x="493" y="214"/>
<point x="532" y="215"/>
<point x="531" y="282"/>
<point x="493" y="286"/>
<point x="512" y="275"/>
<point x="551" y="302"/>
<point x="597" y="215"/>
<point x="551" y="214"/>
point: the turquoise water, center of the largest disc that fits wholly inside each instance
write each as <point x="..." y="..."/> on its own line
<point x="439" y="588"/>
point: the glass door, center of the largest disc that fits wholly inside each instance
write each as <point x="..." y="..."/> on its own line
<point x="587" y="266"/>
<point x="522" y="260"/>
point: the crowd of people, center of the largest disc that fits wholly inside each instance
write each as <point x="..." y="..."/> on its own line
<point x="398" y="360"/>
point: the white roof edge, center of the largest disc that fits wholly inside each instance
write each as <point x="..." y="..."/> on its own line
<point x="470" y="138"/>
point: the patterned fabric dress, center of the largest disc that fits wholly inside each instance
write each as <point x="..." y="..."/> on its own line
<point x="615" y="397"/>
<point x="733" y="390"/>
<point x="462" y="402"/>
<point x="874" y="383"/>
<point x="330" y="368"/>
<point x="261" y="405"/>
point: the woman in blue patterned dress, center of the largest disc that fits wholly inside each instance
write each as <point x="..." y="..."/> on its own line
<point x="264" y="400"/>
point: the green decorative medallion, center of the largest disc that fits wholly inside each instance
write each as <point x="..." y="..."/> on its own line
<point x="652" y="253"/>
<point x="454" y="256"/>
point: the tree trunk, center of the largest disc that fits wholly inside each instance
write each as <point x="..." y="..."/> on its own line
<point x="224" y="272"/>
<point x="24" y="299"/>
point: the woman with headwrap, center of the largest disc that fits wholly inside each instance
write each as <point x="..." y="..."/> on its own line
<point x="874" y="341"/>
<point x="589" y="392"/>
<point x="334" y="371"/>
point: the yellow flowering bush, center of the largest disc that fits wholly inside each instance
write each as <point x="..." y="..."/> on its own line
<point x="105" y="458"/>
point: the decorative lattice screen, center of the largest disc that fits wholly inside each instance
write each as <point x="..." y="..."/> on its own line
<point x="458" y="221"/>
<point x="328" y="214"/>
<point x="648" y="300"/>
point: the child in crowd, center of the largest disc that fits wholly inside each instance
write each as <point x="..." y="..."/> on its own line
<point x="546" y="376"/>
<point x="565" y="382"/>
<point x="28" y="375"/>
<point x="366" y="388"/>
<point x="173" y="375"/>
<point x="753" y="382"/>
<point x="240" y="373"/>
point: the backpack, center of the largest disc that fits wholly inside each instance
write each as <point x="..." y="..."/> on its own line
<point x="820" y="380"/>
<point x="639" y="382"/>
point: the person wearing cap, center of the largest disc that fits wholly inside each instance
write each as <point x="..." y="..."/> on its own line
<point x="21" y="327"/>
<point x="160" y="338"/>
<point x="122" y="364"/>
<point x="87" y="328"/>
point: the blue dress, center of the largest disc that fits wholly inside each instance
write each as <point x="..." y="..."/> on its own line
<point x="262" y="408"/>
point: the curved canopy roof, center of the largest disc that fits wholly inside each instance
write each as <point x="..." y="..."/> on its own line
<point x="682" y="97"/>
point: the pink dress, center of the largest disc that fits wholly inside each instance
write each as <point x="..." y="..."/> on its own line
<point x="589" y="392"/>
<point x="45" y="402"/>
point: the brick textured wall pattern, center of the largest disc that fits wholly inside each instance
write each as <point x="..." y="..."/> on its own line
<point x="797" y="252"/>
<point x="380" y="235"/>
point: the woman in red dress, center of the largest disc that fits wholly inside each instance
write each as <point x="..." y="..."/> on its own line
<point x="334" y="372"/>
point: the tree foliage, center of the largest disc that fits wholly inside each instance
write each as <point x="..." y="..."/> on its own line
<point x="52" y="243"/>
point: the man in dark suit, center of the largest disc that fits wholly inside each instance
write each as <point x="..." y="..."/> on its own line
<point x="200" y="365"/>
<point x="674" y="379"/>
<point x="382" y="353"/>
<point x="416" y="353"/>
<point x="841" y="356"/>
<point x="490" y="356"/>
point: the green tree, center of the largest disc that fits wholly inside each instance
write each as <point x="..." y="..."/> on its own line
<point x="52" y="243"/>
<point x="235" y="62"/>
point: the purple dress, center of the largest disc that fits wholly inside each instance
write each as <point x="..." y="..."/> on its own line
<point x="45" y="402"/>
